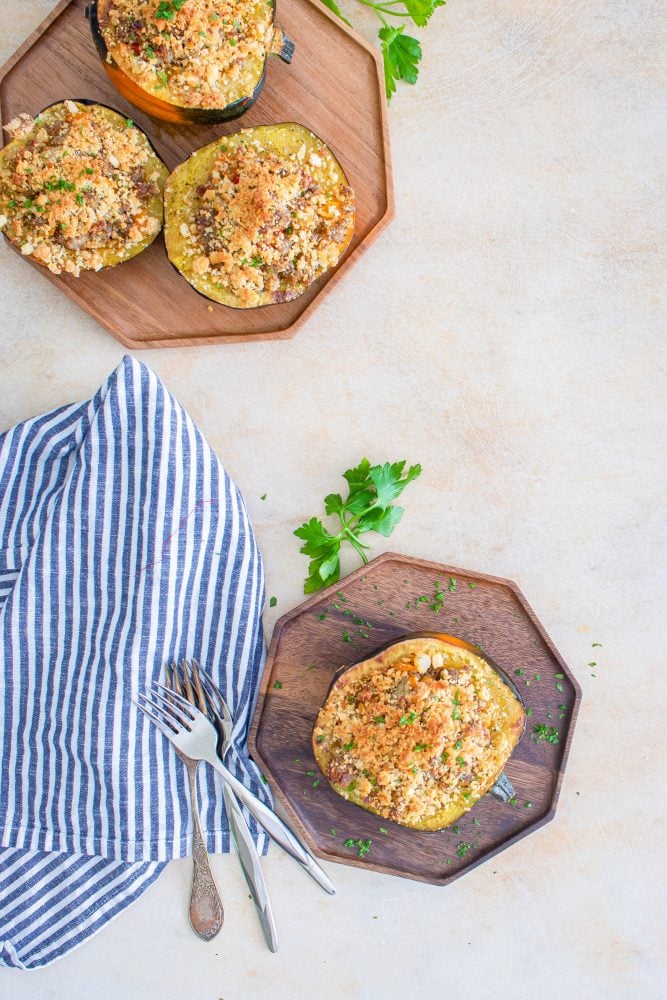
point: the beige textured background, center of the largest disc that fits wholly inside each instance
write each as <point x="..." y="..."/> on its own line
<point x="505" y="331"/>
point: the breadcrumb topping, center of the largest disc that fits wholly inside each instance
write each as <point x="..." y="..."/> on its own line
<point x="78" y="185"/>
<point x="193" y="53"/>
<point x="265" y="222"/>
<point x="420" y="734"/>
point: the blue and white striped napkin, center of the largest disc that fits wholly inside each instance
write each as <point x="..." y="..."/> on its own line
<point x="123" y="544"/>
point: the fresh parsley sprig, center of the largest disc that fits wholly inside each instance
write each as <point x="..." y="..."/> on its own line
<point x="401" y="53"/>
<point x="369" y="506"/>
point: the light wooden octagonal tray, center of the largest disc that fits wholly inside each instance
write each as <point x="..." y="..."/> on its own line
<point x="334" y="87"/>
<point x="375" y="605"/>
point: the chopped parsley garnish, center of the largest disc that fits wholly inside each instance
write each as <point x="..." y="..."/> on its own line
<point x="352" y="745"/>
<point x="456" y="712"/>
<point x="363" y="846"/>
<point x="458" y="744"/>
<point x="277" y="684"/>
<point x="452" y="585"/>
<point x="407" y="720"/>
<point x="444" y="756"/>
<point x="421" y="746"/>
<point x="167" y="10"/>
<point x="383" y="829"/>
<point x="60" y="185"/>
<point x="379" y="720"/>
<point x="542" y="731"/>
<point x="463" y="849"/>
<point x="460" y="761"/>
<point x="273" y="601"/>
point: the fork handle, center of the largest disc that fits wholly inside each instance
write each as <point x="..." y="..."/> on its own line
<point x="250" y="865"/>
<point x="206" y="910"/>
<point x="275" y="827"/>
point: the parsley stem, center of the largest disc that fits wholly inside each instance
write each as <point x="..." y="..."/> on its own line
<point x="377" y="7"/>
<point x="359" y="546"/>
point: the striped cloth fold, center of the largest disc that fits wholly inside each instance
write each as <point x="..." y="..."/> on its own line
<point x="123" y="544"/>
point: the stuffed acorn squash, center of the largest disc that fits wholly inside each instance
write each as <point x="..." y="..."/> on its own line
<point x="255" y="217"/>
<point x="188" y="61"/>
<point x="80" y="188"/>
<point x="419" y="733"/>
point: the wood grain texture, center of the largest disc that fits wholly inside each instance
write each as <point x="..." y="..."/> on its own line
<point x="334" y="87"/>
<point x="315" y="640"/>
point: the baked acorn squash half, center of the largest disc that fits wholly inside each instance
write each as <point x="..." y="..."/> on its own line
<point x="419" y="732"/>
<point x="255" y="217"/>
<point x="188" y="61"/>
<point x="80" y="187"/>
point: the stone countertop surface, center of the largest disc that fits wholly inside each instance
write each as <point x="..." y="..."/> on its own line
<point x="504" y="332"/>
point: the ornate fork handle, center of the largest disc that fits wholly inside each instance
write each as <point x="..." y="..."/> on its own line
<point x="206" y="910"/>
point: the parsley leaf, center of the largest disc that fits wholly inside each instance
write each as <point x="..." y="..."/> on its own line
<point x="369" y="506"/>
<point x="421" y="11"/>
<point x="401" y="55"/>
<point x="400" y="52"/>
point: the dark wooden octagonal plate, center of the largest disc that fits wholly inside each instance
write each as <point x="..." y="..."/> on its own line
<point x="378" y="603"/>
<point x="334" y="86"/>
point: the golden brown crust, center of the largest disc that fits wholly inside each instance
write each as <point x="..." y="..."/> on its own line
<point x="419" y="733"/>
<point x="80" y="188"/>
<point x="191" y="53"/>
<point x="256" y="217"/>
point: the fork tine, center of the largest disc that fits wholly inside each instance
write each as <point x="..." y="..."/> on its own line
<point x="212" y="706"/>
<point x="162" y="726"/>
<point x="213" y="690"/>
<point x="204" y="701"/>
<point x="172" y="712"/>
<point x="172" y="676"/>
<point x="175" y="700"/>
<point x="187" y="684"/>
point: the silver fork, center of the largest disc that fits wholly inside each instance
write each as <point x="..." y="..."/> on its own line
<point x="193" y="734"/>
<point x="192" y="681"/>
<point x="205" y="911"/>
